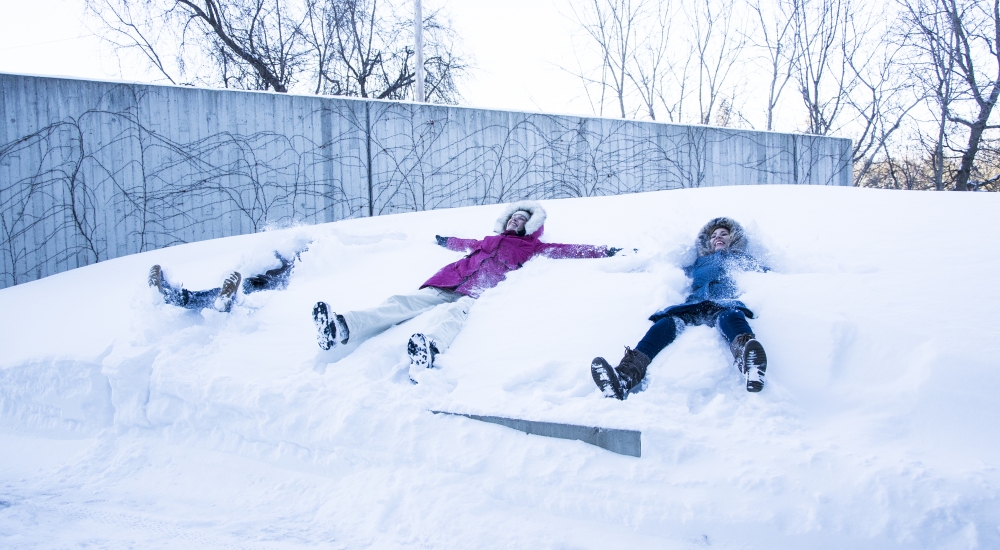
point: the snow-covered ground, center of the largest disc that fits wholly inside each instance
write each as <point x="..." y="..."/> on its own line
<point x="128" y="423"/>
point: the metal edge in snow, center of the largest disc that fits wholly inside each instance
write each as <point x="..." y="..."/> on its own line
<point x="623" y="442"/>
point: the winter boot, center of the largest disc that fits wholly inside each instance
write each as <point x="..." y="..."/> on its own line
<point x="616" y="382"/>
<point x="170" y="294"/>
<point x="422" y="352"/>
<point x="328" y="326"/>
<point x="750" y="359"/>
<point x="229" y="288"/>
<point x="156" y="279"/>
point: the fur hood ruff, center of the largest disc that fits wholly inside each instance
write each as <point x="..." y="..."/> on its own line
<point x="737" y="244"/>
<point x="533" y="224"/>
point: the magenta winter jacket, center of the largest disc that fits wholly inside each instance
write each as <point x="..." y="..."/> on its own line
<point x="492" y="257"/>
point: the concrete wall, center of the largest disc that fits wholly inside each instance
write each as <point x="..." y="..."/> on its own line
<point x="95" y="170"/>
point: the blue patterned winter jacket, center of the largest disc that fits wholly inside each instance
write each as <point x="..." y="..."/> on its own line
<point x="712" y="287"/>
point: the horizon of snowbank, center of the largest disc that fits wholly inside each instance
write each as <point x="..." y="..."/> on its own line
<point x="136" y="423"/>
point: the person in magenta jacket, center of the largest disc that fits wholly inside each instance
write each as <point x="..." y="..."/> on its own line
<point x="457" y="284"/>
<point x="490" y="259"/>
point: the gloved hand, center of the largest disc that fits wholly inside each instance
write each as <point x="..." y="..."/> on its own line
<point x="612" y="250"/>
<point x="442" y="241"/>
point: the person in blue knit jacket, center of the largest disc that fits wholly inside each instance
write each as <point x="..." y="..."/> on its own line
<point x="722" y="250"/>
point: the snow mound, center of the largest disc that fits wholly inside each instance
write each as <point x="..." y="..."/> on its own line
<point x="131" y="423"/>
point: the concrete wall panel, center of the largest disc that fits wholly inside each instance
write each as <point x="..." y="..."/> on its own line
<point x="95" y="170"/>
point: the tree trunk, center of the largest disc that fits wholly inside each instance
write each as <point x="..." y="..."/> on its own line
<point x="975" y="137"/>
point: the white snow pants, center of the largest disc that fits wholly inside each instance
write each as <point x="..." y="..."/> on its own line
<point x="443" y="325"/>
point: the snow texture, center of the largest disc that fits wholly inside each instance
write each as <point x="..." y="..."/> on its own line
<point x="128" y="423"/>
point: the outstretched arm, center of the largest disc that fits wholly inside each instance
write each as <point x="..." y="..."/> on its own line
<point x="559" y="251"/>
<point x="756" y="265"/>
<point x="456" y="244"/>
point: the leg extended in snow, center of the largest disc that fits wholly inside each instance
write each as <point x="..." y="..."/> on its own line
<point x="748" y="354"/>
<point x="617" y="382"/>
<point x="333" y="329"/>
<point x="219" y="298"/>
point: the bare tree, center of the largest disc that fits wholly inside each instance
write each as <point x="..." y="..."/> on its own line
<point x="717" y="42"/>
<point x="976" y="29"/>
<point x="881" y="98"/>
<point x="675" y="85"/>
<point x="361" y="48"/>
<point x="824" y="31"/>
<point x="251" y="44"/>
<point x="338" y="47"/>
<point x="257" y="38"/>
<point x="956" y="57"/>
<point x="641" y="67"/>
<point x="777" y="39"/>
<point x="651" y="59"/>
<point x="988" y="165"/>
<point x="928" y="34"/>
<point x="132" y="32"/>
<point x="612" y="26"/>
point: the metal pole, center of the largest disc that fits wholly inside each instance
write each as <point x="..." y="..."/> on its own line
<point x="418" y="32"/>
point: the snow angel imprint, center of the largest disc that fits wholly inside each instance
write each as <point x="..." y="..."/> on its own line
<point x="518" y="229"/>
<point x="722" y="246"/>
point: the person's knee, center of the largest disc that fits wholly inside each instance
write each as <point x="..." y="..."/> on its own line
<point x="667" y="328"/>
<point x="659" y="336"/>
<point x="407" y="300"/>
<point x="732" y="323"/>
<point x="459" y="310"/>
<point x="730" y="316"/>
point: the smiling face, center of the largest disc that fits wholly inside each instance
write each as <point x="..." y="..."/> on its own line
<point x="516" y="222"/>
<point x="720" y="239"/>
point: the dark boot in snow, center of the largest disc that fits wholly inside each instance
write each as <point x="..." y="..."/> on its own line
<point x="170" y="294"/>
<point x="750" y="359"/>
<point x="229" y="288"/>
<point x="616" y="382"/>
<point x="328" y="326"/>
<point x="606" y="378"/>
<point x="422" y="352"/>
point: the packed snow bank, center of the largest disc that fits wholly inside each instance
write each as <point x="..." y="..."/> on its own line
<point x="136" y="423"/>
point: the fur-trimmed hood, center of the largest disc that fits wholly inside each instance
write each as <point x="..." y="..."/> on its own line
<point x="737" y="244"/>
<point x="534" y="223"/>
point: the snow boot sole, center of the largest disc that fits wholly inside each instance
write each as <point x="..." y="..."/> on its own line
<point x="229" y="289"/>
<point x="422" y="352"/>
<point x="419" y="352"/>
<point x="326" y="331"/>
<point x="156" y="279"/>
<point x="755" y="365"/>
<point x="606" y="378"/>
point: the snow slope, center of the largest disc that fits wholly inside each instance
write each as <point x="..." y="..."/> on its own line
<point x="126" y="423"/>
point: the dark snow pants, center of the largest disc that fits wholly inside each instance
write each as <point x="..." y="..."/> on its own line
<point x="730" y="322"/>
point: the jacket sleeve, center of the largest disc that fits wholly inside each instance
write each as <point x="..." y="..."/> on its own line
<point x="751" y="263"/>
<point x="559" y="251"/>
<point x="462" y="245"/>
